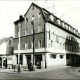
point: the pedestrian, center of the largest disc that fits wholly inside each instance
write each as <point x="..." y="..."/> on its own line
<point x="14" y="66"/>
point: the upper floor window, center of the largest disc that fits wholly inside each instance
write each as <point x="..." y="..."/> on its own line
<point x="26" y="32"/>
<point x="31" y="44"/>
<point x="32" y="7"/>
<point x="39" y="28"/>
<point x="26" y="45"/>
<point x="39" y="15"/>
<point x="57" y="40"/>
<point x="9" y="42"/>
<point x="33" y="17"/>
<point x="40" y="43"/>
<point x="26" y="20"/>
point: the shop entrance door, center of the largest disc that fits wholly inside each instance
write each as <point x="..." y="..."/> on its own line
<point x="38" y="59"/>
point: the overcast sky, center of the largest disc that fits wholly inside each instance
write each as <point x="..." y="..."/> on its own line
<point x="10" y="10"/>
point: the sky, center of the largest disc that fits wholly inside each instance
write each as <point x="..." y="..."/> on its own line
<point x="67" y="10"/>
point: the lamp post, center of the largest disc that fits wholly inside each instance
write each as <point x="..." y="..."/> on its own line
<point x="32" y="22"/>
<point x="19" y="26"/>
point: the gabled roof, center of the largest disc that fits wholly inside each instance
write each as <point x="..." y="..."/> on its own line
<point x="45" y="15"/>
<point x="4" y="40"/>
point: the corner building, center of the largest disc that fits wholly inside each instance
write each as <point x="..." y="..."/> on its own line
<point x="56" y="42"/>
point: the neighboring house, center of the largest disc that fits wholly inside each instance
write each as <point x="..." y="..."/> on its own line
<point x="56" y="42"/>
<point x="6" y="52"/>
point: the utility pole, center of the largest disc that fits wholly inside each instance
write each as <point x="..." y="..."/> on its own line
<point x="19" y="26"/>
<point x="33" y="45"/>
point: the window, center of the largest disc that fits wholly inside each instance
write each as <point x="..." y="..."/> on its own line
<point x="32" y="7"/>
<point x="9" y="42"/>
<point x="57" y="39"/>
<point x="31" y="44"/>
<point x="67" y="56"/>
<point x="39" y="15"/>
<point x="39" y="43"/>
<point x="58" y="21"/>
<point x="39" y="28"/>
<point x="26" y="19"/>
<point x="61" y="56"/>
<point x="49" y="34"/>
<point x="26" y="45"/>
<point x="63" y="24"/>
<point x="53" y="56"/>
<point x="25" y="32"/>
<point x="33" y="17"/>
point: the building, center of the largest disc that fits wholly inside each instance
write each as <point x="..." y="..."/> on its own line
<point x="6" y="52"/>
<point x="55" y="41"/>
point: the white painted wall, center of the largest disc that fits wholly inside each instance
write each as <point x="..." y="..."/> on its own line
<point x="3" y="48"/>
<point x="56" y="61"/>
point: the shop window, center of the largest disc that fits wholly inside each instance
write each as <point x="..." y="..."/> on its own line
<point x="67" y="56"/>
<point x="61" y="56"/>
<point x="53" y="56"/>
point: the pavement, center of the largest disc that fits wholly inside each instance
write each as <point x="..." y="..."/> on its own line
<point x="72" y="70"/>
<point x="52" y="73"/>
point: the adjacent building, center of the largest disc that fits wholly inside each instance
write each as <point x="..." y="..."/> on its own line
<point x="55" y="41"/>
<point x="6" y="52"/>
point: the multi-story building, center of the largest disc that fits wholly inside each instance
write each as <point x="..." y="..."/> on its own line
<point x="55" y="41"/>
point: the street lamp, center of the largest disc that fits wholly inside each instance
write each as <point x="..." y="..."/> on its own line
<point x="32" y="22"/>
<point x="19" y="26"/>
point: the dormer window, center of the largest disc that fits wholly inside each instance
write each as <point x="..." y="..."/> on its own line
<point x="62" y="24"/>
<point x="51" y="17"/>
<point x="59" y="22"/>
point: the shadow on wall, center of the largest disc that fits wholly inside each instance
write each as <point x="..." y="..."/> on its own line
<point x="72" y="45"/>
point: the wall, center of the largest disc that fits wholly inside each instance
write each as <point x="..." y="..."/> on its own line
<point x="55" y="61"/>
<point x="29" y="39"/>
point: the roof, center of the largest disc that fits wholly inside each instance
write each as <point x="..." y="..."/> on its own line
<point x="4" y="40"/>
<point x="46" y="14"/>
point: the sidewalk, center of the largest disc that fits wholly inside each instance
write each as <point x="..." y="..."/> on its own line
<point x="74" y="70"/>
<point x="27" y="71"/>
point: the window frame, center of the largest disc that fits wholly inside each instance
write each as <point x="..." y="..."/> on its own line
<point x="40" y="44"/>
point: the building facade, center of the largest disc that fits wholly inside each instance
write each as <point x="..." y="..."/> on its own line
<point x="55" y="41"/>
<point x="6" y="52"/>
